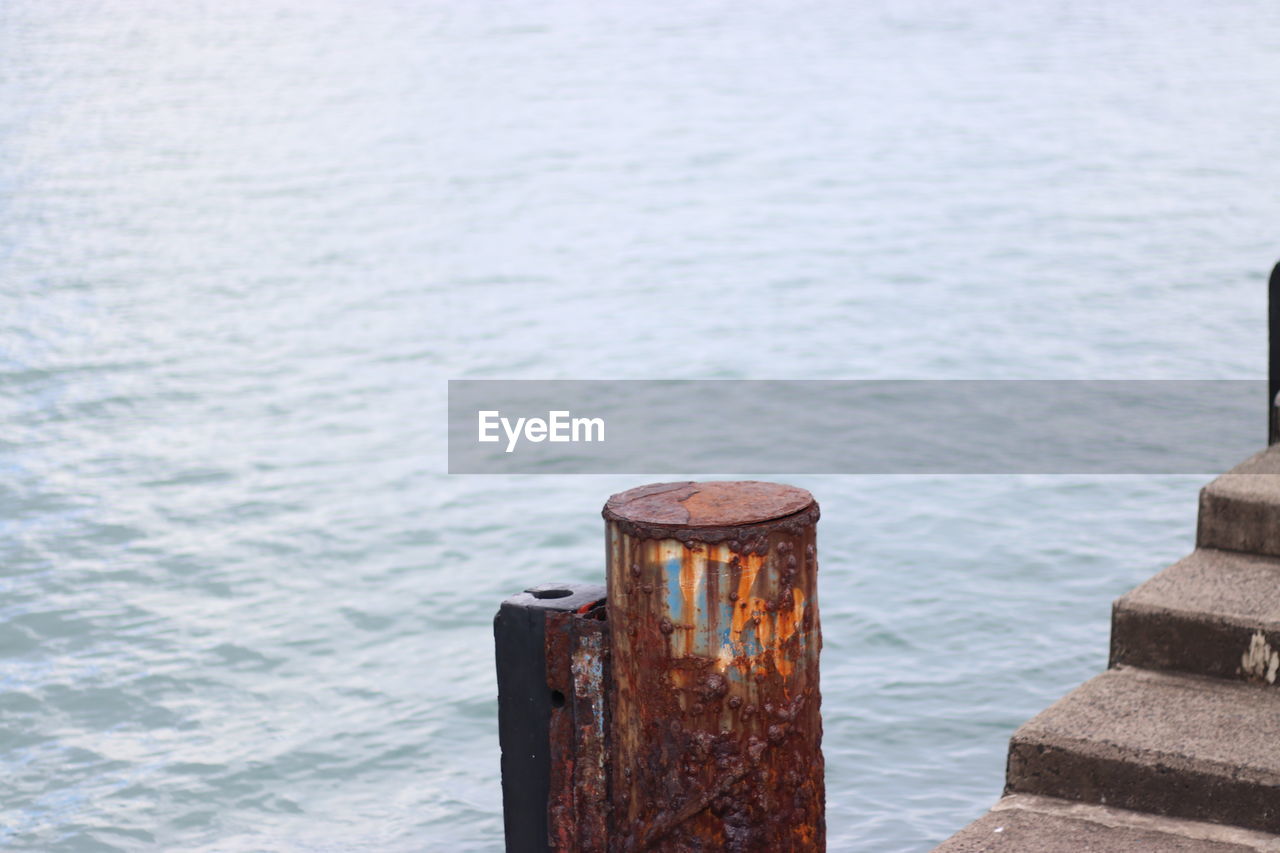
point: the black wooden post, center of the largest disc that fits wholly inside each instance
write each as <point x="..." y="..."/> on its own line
<point x="527" y="702"/>
<point x="1273" y="373"/>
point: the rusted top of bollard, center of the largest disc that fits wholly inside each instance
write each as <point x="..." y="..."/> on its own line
<point x="708" y="511"/>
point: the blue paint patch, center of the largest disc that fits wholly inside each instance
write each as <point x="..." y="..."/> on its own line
<point x="675" y="598"/>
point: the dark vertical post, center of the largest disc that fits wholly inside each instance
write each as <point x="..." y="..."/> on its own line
<point x="713" y="617"/>
<point x="1273" y="373"/>
<point x="527" y="702"/>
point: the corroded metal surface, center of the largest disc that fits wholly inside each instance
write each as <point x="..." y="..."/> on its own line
<point x="577" y="654"/>
<point x="722" y="503"/>
<point x="713" y="615"/>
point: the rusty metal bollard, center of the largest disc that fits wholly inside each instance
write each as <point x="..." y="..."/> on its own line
<point x="713" y="616"/>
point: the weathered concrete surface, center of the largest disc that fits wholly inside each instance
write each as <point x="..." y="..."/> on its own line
<point x="1240" y="511"/>
<point x="1021" y="822"/>
<point x="1212" y="613"/>
<point x="1169" y="744"/>
<point x="1186" y="726"/>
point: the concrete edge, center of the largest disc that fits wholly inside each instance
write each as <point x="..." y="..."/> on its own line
<point x="1161" y="638"/>
<point x="1138" y="607"/>
<point x="1040" y="732"/>
<point x="1237" y="520"/>
<point x="1123" y="818"/>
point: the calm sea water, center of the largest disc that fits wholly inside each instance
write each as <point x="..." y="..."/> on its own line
<point x="244" y="244"/>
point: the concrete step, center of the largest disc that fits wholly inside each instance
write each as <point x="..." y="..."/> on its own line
<point x="1021" y="822"/>
<point x="1166" y="743"/>
<point x="1212" y="613"/>
<point x="1240" y="511"/>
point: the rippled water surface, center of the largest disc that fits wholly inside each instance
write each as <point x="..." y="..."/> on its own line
<point x="243" y="246"/>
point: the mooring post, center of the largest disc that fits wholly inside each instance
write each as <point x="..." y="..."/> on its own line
<point x="713" y="617"/>
<point x="1273" y="372"/>
<point x="552" y="647"/>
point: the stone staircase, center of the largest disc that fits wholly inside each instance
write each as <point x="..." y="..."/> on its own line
<point x="1177" y="745"/>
